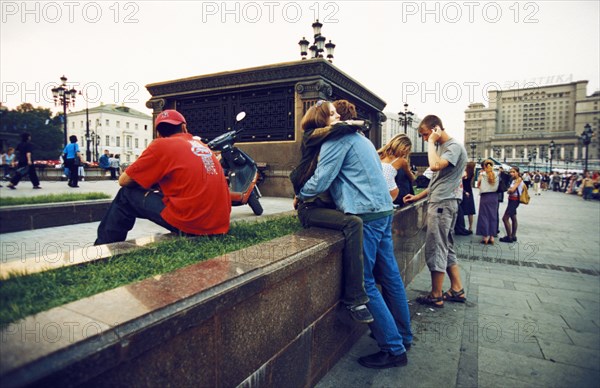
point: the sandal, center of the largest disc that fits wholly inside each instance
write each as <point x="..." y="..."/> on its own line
<point x="430" y="300"/>
<point x="455" y="296"/>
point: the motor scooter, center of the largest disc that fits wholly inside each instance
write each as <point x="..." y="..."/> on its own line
<point x="239" y="168"/>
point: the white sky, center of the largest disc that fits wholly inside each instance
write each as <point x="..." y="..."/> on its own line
<point x="436" y="56"/>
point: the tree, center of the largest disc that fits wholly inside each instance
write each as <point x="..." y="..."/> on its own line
<point x="46" y="131"/>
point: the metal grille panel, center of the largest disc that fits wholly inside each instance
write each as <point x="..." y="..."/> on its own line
<point x="269" y="114"/>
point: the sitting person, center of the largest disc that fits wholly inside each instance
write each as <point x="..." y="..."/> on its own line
<point x="192" y="195"/>
<point x="320" y="124"/>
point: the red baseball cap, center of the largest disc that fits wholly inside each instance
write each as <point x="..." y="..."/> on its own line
<point x="169" y="116"/>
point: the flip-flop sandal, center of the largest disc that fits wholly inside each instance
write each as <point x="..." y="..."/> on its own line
<point x="455" y="296"/>
<point x="430" y="300"/>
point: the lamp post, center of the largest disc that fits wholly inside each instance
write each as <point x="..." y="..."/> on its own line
<point x="405" y="117"/>
<point x="65" y="97"/>
<point x="586" y="138"/>
<point x="552" y="146"/>
<point x="318" y="46"/>
<point x="533" y="157"/>
<point x="88" y="152"/>
<point x="473" y="146"/>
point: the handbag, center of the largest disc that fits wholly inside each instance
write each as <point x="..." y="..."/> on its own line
<point x="524" y="197"/>
<point x="502" y="182"/>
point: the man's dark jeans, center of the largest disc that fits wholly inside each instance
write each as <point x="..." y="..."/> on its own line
<point x="352" y="257"/>
<point x="130" y="203"/>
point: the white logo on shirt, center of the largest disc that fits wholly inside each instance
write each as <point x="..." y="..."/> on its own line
<point x="205" y="153"/>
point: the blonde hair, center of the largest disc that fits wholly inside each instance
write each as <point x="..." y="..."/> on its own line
<point x="488" y="168"/>
<point x="395" y="146"/>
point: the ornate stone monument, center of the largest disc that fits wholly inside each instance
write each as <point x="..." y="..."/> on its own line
<point x="275" y="97"/>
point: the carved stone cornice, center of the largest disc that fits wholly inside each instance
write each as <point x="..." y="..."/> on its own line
<point x="284" y="73"/>
<point x="156" y="104"/>
<point x="316" y="90"/>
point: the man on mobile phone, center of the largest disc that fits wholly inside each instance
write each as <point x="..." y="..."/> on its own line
<point x="447" y="159"/>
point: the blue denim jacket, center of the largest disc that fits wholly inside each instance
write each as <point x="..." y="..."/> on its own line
<point x="350" y="168"/>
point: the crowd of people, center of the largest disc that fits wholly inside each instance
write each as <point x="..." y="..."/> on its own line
<point x="585" y="184"/>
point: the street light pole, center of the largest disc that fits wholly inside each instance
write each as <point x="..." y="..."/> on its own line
<point x="473" y="146"/>
<point x="65" y="97"/>
<point x="552" y="145"/>
<point x="405" y="117"/>
<point x="586" y="138"/>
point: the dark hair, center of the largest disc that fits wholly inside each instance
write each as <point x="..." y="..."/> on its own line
<point x="430" y="121"/>
<point x="25" y="136"/>
<point x="317" y="116"/>
<point x="73" y="139"/>
<point x="166" y="129"/>
<point x="470" y="170"/>
<point x="345" y="109"/>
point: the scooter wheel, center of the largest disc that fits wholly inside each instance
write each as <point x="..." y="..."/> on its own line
<point x="255" y="204"/>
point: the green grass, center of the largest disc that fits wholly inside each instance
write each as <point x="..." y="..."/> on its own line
<point x="23" y="295"/>
<point x="51" y="198"/>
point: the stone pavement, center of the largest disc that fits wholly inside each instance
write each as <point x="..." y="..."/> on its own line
<point x="532" y="317"/>
<point x="27" y="244"/>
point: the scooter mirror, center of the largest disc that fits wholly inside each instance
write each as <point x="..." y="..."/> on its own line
<point x="240" y="116"/>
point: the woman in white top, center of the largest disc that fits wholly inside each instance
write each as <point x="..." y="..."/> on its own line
<point x="393" y="155"/>
<point x="487" y="221"/>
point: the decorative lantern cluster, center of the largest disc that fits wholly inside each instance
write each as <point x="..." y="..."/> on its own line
<point x="319" y="46"/>
<point x="65" y="97"/>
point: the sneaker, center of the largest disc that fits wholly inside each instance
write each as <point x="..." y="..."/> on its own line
<point x="383" y="360"/>
<point x="360" y="313"/>
<point x="506" y="239"/>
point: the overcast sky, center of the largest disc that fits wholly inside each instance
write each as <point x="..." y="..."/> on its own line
<point x="436" y="56"/>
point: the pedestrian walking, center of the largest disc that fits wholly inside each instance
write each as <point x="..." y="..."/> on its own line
<point x="510" y="214"/>
<point x="25" y="164"/>
<point x="487" y="221"/>
<point x="72" y="158"/>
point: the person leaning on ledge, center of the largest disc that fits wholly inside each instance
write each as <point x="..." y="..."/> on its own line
<point x="176" y="183"/>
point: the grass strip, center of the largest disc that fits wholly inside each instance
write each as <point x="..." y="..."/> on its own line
<point x="52" y="198"/>
<point x="23" y="295"/>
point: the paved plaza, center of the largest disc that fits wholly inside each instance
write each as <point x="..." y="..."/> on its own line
<point x="532" y="318"/>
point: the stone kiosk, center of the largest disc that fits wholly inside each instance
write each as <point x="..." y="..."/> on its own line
<point x="275" y="97"/>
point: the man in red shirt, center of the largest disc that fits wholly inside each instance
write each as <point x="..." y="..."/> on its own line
<point x="177" y="183"/>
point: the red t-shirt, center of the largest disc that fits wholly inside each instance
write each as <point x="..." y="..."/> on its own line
<point x="195" y="192"/>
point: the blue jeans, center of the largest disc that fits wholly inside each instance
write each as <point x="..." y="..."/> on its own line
<point x="391" y="327"/>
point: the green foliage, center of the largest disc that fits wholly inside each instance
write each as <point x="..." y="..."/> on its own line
<point x="51" y="198"/>
<point x="46" y="131"/>
<point x="22" y="295"/>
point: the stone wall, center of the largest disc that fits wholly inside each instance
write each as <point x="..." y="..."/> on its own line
<point x="268" y="315"/>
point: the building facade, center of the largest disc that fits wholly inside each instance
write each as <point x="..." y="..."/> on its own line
<point x="119" y="129"/>
<point x="519" y="125"/>
<point x="392" y="126"/>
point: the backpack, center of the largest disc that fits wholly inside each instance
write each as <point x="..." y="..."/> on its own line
<point x="524" y="197"/>
<point x="537" y="178"/>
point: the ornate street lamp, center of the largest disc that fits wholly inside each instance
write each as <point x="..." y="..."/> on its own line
<point x="586" y="138"/>
<point x="552" y="146"/>
<point x="533" y="157"/>
<point x="318" y="46"/>
<point x="405" y="117"/>
<point x="65" y="97"/>
<point x="473" y="146"/>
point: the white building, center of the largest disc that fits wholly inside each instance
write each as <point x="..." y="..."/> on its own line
<point x="391" y="127"/>
<point x="119" y="129"/>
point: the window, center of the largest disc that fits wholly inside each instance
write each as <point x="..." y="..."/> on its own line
<point x="136" y="126"/>
<point x="107" y="140"/>
<point x="118" y="124"/>
<point x="128" y="141"/>
<point x="107" y="122"/>
<point x="127" y="125"/>
<point x="118" y="142"/>
<point x="145" y="143"/>
<point x="137" y="143"/>
<point x="145" y="127"/>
